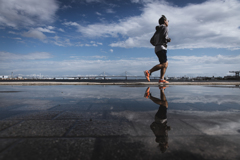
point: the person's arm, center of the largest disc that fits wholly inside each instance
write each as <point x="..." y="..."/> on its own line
<point x="165" y="35"/>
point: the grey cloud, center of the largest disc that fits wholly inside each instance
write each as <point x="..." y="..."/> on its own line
<point x="34" y="33"/>
<point x="90" y="1"/>
<point x="24" y="13"/>
<point x="6" y="56"/>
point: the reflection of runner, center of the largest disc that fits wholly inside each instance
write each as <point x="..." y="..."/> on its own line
<point x="161" y="39"/>
<point x="159" y="126"/>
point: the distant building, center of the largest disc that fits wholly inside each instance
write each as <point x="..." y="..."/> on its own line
<point x="236" y="77"/>
<point x="236" y="73"/>
<point x="3" y="77"/>
<point x="231" y="78"/>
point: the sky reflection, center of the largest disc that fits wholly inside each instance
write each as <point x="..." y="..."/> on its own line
<point x="187" y="98"/>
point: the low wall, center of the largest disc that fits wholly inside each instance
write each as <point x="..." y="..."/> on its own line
<point x="118" y="83"/>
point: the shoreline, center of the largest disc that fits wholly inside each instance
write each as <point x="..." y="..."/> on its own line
<point x="119" y="83"/>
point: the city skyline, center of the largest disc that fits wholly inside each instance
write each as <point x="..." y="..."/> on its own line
<point x="123" y="75"/>
<point x="57" y="37"/>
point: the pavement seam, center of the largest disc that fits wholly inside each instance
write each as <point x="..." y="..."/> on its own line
<point x="70" y="128"/>
<point x="104" y="115"/>
<point x="11" y="146"/>
<point x="54" y="118"/>
<point x="12" y="126"/>
<point x="97" y="149"/>
<point x="89" y="107"/>
<point x="51" y="109"/>
<point x="133" y="126"/>
<point x="109" y="136"/>
<point x="192" y="126"/>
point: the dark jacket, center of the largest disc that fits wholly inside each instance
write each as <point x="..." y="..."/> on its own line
<point x="160" y="38"/>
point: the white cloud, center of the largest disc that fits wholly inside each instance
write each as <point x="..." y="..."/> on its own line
<point x="66" y="7"/>
<point x="142" y="1"/>
<point x="62" y="30"/>
<point x="135" y="1"/>
<point x="202" y="65"/>
<point x="71" y="24"/>
<point x="70" y="66"/>
<point x="212" y="24"/>
<point x="50" y="27"/>
<point x="92" y="43"/>
<point x="177" y="66"/>
<point x="219" y="59"/>
<point x="6" y="56"/>
<point x="97" y="13"/>
<point x="111" y="50"/>
<point x="18" y="38"/>
<point x="104" y="30"/>
<point x="99" y="57"/>
<point x="110" y="10"/>
<point x="11" y="32"/>
<point x="22" y="13"/>
<point x="63" y="42"/>
<point x="47" y="30"/>
<point x="88" y="57"/>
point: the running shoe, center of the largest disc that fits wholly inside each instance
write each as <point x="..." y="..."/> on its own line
<point x="147" y="93"/>
<point x="163" y="81"/>
<point x="147" y="75"/>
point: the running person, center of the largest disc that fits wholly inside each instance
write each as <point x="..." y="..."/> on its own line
<point x="160" y="49"/>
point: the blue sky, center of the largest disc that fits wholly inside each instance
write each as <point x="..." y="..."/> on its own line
<point x="87" y="37"/>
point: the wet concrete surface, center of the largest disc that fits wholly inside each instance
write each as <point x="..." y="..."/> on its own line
<point x="119" y="82"/>
<point x="117" y="122"/>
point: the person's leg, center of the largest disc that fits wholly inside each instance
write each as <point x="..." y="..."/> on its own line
<point x="163" y="70"/>
<point x="162" y="101"/>
<point x="163" y="98"/>
<point x="147" y="93"/>
<point x="162" y="57"/>
<point x="155" y="100"/>
<point x="157" y="67"/>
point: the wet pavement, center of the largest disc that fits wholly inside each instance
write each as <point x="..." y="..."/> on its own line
<point x="119" y="122"/>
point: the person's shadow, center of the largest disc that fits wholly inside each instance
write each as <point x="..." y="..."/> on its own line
<point x="159" y="126"/>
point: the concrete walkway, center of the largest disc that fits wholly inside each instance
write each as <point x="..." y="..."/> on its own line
<point x="118" y="123"/>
